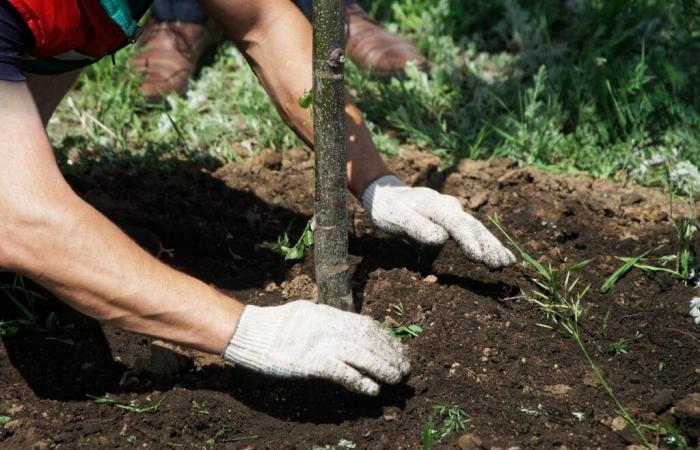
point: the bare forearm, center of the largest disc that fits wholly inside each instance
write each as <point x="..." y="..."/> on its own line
<point x="276" y="39"/>
<point x="48" y="233"/>
<point x="80" y="256"/>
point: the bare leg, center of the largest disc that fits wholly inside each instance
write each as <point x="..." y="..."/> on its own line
<point x="276" y="38"/>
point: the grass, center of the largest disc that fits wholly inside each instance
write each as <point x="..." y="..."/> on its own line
<point x="30" y="305"/>
<point x="603" y="87"/>
<point x="683" y="264"/>
<point x="403" y="329"/>
<point x="106" y="400"/>
<point x="621" y="345"/>
<point x="443" y="421"/>
<point x="562" y="303"/>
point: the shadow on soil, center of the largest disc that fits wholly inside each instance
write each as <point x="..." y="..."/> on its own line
<point x="221" y="235"/>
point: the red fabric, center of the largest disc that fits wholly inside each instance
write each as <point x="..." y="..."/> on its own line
<point x="61" y="26"/>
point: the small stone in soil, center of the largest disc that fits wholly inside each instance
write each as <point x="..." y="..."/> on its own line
<point x="557" y="389"/>
<point x="469" y="441"/>
<point x="618" y="423"/>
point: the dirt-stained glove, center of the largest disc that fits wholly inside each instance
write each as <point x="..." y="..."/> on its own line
<point x="431" y="218"/>
<point x="302" y="339"/>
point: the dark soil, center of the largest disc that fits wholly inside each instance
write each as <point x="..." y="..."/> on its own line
<point x="481" y="348"/>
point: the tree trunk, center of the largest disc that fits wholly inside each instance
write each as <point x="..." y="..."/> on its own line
<point x="330" y="233"/>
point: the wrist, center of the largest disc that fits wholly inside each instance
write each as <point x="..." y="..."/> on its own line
<point x="253" y="337"/>
<point x="386" y="179"/>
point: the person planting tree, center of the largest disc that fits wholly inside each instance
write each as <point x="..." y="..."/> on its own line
<point x="51" y="235"/>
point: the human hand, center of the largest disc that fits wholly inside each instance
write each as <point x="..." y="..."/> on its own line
<point x="431" y="218"/>
<point x="302" y="339"/>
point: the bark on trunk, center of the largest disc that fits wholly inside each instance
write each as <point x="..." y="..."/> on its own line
<point x="330" y="234"/>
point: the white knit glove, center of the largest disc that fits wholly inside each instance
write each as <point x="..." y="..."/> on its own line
<point x="431" y="218"/>
<point x="302" y="339"/>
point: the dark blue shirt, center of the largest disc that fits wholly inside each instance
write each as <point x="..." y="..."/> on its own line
<point x="14" y="37"/>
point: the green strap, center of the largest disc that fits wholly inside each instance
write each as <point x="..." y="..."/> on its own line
<point x="120" y="12"/>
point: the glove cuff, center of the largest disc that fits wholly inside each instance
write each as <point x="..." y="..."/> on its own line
<point x="253" y="338"/>
<point x="367" y="196"/>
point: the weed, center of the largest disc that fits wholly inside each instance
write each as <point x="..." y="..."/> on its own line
<point x="557" y="297"/>
<point x="398" y="309"/>
<point x="622" y="270"/>
<point x="131" y="439"/>
<point x="443" y="421"/>
<point x="105" y="400"/>
<point x="685" y="263"/>
<point x="403" y="331"/>
<point x="26" y="300"/>
<point x="4" y="419"/>
<point x="297" y="251"/>
<point x="619" y="347"/>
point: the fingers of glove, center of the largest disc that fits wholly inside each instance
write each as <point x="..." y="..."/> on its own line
<point x="371" y="363"/>
<point x="477" y="242"/>
<point x="349" y="377"/>
<point x="473" y="237"/>
<point x="368" y="335"/>
<point x="390" y="348"/>
<point x="413" y="224"/>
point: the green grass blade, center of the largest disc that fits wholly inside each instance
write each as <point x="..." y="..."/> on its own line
<point x="579" y="265"/>
<point x="622" y="270"/>
<point x="546" y="274"/>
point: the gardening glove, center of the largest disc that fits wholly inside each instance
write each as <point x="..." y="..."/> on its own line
<point x="431" y="218"/>
<point x="302" y="339"/>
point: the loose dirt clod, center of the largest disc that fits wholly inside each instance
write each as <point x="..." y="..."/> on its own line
<point x="687" y="411"/>
<point x="300" y="287"/>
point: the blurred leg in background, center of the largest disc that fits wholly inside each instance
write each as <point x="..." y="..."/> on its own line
<point x="176" y="37"/>
<point x="179" y="34"/>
